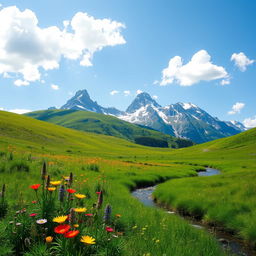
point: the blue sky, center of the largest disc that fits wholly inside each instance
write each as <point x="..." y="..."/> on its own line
<point x="140" y="39"/>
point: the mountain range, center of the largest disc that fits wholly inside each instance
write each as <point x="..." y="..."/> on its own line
<point x="183" y="120"/>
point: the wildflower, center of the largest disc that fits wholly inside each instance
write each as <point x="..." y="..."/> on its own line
<point x="71" y="191"/>
<point x="60" y="219"/>
<point x="34" y="202"/>
<point x="51" y="189"/>
<point x="32" y="214"/>
<point x="98" y="192"/>
<point x="100" y="200"/>
<point x="18" y="224"/>
<point x="76" y="225"/>
<point x="55" y="183"/>
<point x="80" y="210"/>
<point x="61" y="193"/>
<point x="71" y="234"/>
<point x="80" y="196"/>
<point x="41" y="221"/>
<point x="43" y="172"/>
<point x="62" y="229"/>
<point x="109" y="229"/>
<point x="48" y="181"/>
<point x="72" y="217"/>
<point x="66" y="178"/>
<point x="89" y="214"/>
<point x="35" y="186"/>
<point x="87" y="240"/>
<point x="48" y="239"/>
<point x="118" y="215"/>
<point x="107" y="213"/>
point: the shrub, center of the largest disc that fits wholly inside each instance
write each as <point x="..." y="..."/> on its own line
<point x="19" y="166"/>
<point x="151" y="142"/>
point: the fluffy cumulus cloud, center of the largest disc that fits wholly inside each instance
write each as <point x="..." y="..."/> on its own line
<point x="199" y="68"/>
<point x="236" y="108"/>
<point x="250" y="122"/>
<point x="114" y="92"/>
<point x="241" y="60"/>
<point x="55" y="87"/>
<point x="26" y="49"/>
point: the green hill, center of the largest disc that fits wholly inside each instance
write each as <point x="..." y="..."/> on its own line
<point x="26" y="132"/>
<point x="108" y="125"/>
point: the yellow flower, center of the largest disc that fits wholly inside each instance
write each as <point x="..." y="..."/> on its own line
<point x="79" y="210"/>
<point x="80" y="196"/>
<point x="157" y="241"/>
<point x="118" y="215"/>
<point x="75" y="225"/>
<point x="66" y="177"/>
<point x="87" y="240"/>
<point x="51" y="189"/>
<point x="48" y="239"/>
<point x="60" y="219"/>
<point x="55" y="183"/>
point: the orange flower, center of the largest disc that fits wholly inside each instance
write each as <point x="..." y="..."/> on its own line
<point x="48" y="239"/>
<point x="35" y="186"/>
<point x="71" y="233"/>
<point x="62" y="229"/>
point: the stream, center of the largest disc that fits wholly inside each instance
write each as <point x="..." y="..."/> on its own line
<point x="230" y="243"/>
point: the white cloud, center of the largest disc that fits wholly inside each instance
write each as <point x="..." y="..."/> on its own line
<point x="26" y="48"/>
<point x="241" y="60"/>
<point x="1" y="108"/>
<point x="20" y="82"/>
<point x="127" y="93"/>
<point x="55" y="87"/>
<point x="225" y="81"/>
<point x="199" y="68"/>
<point x="156" y="82"/>
<point x="139" y="92"/>
<point x="155" y="97"/>
<point x="19" y="111"/>
<point x="236" y="108"/>
<point x="114" y="92"/>
<point x="250" y="122"/>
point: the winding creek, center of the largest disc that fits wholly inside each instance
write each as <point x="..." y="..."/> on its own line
<point x="227" y="241"/>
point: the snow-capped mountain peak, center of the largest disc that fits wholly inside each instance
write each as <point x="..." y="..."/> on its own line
<point x="185" y="120"/>
<point x="141" y="100"/>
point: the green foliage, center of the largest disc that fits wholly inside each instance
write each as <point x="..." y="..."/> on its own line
<point x="108" y="125"/>
<point x="151" y="142"/>
<point x="227" y="199"/>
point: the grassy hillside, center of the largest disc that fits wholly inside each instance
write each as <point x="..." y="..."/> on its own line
<point x="224" y="200"/>
<point x="99" y="163"/>
<point x="104" y="124"/>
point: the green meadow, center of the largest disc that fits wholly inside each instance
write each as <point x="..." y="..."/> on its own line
<point x="114" y="167"/>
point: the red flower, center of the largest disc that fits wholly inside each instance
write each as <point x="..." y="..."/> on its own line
<point x="89" y="214"/>
<point x="34" y="202"/>
<point x="71" y="191"/>
<point x="109" y="229"/>
<point x="62" y="229"/>
<point x="32" y="214"/>
<point x="35" y="186"/>
<point x="98" y="192"/>
<point x="71" y="233"/>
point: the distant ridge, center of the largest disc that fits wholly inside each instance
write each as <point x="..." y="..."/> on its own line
<point x="182" y="120"/>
